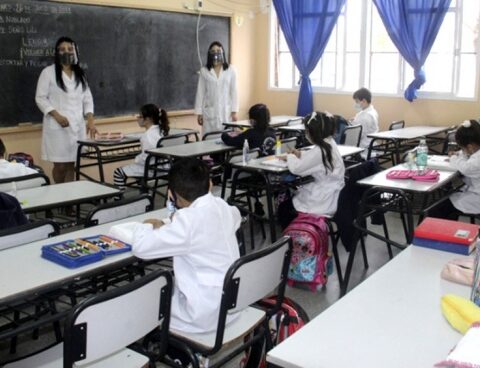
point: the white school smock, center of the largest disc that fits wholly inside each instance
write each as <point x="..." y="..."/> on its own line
<point x="201" y="238"/>
<point x="468" y="200"/>
<point x="319" y="197"/>
<point x="60" y="144"/>
<point x="14" y="169"/>
<point x="148" y="141"/>
<point x="368" y="119"/>
<point x="216" y="98"/>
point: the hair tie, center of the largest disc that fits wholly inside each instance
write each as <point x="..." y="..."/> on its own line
<point x="328" y="114"/>
<point x="312" y="117"/>
<point x="466" y="124"/>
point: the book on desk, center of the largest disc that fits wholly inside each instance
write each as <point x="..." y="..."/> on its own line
<point x="450" y="236"/>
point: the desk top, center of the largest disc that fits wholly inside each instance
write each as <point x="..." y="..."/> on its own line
<point x="257" y="164"/>
<point x="380" y="180"/>
<point x="393" y="319"/>
<point x="57" y="195"/>
<point x="275" y="121"/>
<point x="409" y="132"/>
<point x="132" y="138"/>
<point x="195" y="149"/>
<point x="295" y="128"/>
<point x="25" y="271"/>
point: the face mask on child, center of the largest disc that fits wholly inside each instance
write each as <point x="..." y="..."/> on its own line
<point x="141" y="122"/>
<point x="357" y="106"/>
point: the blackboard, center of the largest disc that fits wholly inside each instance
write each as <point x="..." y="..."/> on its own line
<point x="131" y="56"/>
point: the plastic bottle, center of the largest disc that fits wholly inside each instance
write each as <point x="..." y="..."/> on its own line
<point x="278" y="147"/>
<point x="245" y="152"/>
<point x="422" y="156"/>
<point x="410" y="160"/>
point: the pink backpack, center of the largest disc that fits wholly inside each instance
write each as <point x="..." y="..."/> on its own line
<point x="311" y="261"/>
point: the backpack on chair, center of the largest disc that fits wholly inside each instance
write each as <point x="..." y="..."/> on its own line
<point x="311" y="262"/>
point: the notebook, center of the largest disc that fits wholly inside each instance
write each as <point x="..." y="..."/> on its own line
<point x="273" y="161"/>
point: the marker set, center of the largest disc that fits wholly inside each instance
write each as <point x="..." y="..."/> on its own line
<point x="79" y="252"/>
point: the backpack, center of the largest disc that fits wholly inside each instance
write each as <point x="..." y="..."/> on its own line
<point x="11" y="213"/>
<point x="22" y="158"/>
<point x="311" y="261"/>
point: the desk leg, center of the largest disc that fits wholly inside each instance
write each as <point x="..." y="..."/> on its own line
<point x="270" y="207"/>
<point x="100" y="164"/>
<point x="77" y="164"/>
<point x="397" y="152"/>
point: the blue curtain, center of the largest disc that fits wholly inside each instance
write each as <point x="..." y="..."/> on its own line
<point x="307" y="25"/>
<point x="413" y="26"/>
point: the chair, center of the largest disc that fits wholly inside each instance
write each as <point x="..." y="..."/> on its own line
<point x="351" y="136"/>
<point x="24" y="182"/>
<point x="449" y="141"/>
<point x="215" y="162"/>
<point x="399" y="124"/>
<point x="242" y="288"/>
<point x="118" y="210"/>
<point x="288" y="144"/>
<point x="99" y="328"/>
<point x="215" y="134"/>
<point x="28" y="233"/>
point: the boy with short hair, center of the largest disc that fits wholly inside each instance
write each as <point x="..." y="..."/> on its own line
<point x="366" y="116"/>
<point x="12" y="169"/>
<point x="201" y="238"/>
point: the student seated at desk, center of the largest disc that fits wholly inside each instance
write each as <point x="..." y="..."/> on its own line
<point x="467" y="162"/>
<point x="324" y="163"/>
<point x="201" y="238"/>
<point x="367" y="116"/>
<point x="12" y="169"/>
<point x="259" y="136"/>
<point x="156" y="124"/>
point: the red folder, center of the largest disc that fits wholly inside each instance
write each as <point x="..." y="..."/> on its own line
<point x="447" y="231"/>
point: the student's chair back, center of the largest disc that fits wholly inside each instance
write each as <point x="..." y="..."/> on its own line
<point x="217" y="134"/>
<point x="242" y="288"/>
<point x="118" y="210"/>
<point x="399" y="124"/>
<point x="351" y="135"/>
<point x="99" y="328"/>
<point x="288" y="144"/>
<point x="449" y="141"/>
<point x="28" y="233"/>
<point x="24" y="182"/>
<point x="172" y="140"/>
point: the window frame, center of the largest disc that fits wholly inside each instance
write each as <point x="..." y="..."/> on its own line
<point x="367" y="9"/>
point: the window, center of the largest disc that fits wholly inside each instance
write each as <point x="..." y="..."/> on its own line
<point x="360" y="53"/>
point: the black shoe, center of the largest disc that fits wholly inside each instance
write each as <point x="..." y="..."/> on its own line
<point x="259" y="211"/>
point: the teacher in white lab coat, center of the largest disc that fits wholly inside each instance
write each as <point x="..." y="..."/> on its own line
<point x="216" y="102"/>
<point x="65" y="100"/>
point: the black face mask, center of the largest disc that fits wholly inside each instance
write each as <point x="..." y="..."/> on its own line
<point x="67" y="58"/>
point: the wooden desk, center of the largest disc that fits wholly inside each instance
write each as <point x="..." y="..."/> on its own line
<point x="275" y="121"/>
<point x="108" y="152"/>
<point x="397" y="136"/>
<point x="393" y="319"/>
<point x="64" y="194"/>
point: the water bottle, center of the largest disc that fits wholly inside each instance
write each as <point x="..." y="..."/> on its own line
<point x="278" y="147"/>
<point x="410" y="160"/>
<point x="245" y="152"/>
<point x="422" y="156"/>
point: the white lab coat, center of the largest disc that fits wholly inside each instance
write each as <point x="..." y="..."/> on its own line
<point x="201" y="238"/>
<point x="148" y="141"/>
<point x="14" y="169"/>
<point x="59" y="144"/>
<point x="216" y="98"/>
<point x="468" y="200"/>
<point x="319" y="197"/>
<point x="368" y="119"/>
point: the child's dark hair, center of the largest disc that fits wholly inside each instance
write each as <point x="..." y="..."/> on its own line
<point x="3" y="149"/>
<point x="158" y="116"/>
<point x="189" y="178"/>
<point x="80" y="76"/>
<point x="468" y="133"/>
<point x="363" y="94"/>
<point x="209" y="64"/>
<point x="319" y="126"/>
<point x="260" y="116"/>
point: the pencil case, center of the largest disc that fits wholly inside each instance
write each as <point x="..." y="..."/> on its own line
<point x="428" y="175"/>
<point x="75" y="253"/>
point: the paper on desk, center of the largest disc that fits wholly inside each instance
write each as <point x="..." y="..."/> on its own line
<point x="439" y="162"/>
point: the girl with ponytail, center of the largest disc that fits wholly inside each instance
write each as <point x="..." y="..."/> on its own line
<point x="324" y="163"/>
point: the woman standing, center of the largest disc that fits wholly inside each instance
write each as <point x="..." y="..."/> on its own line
<point x="65" y="100"/>
<point x="216" y="102"/>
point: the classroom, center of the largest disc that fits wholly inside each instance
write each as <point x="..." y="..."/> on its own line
<point x="212" y="215"/>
